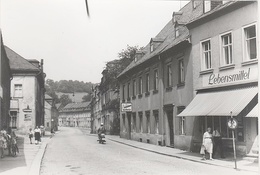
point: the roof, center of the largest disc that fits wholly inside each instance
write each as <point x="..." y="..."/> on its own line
<point x="47" y="97"/>
<point x="168" y="32"/>
<point x="18" y="63"/>
<point x="76" y="107"/>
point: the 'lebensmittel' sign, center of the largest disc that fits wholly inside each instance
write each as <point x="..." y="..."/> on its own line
<point x="126" y="107"/>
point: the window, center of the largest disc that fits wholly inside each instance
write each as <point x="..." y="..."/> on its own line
<point x="147" y="86"/>
<point x="141" y="122"/>
<point x="134" y="88"/>
<point x="155" y="83"/>
<point x="140" y="85"/>
<point x="128" y="91"/>
<point x="227" y="49"/>
<point x="134" y="122"/>
<point x="206" y="55"/>
<point x="250" y="43"/>
<point x="13" y="119"/>
<point x="169" y="75"/>
<point x="18" y="90"/>
<point x="182" y="120"/>
<point x="148" y="125"/>
<point x="151" y="47"/>
<point x="123" y="93"/>
<point x="194" y="4"/>
<point x="207" y="5"/>
<point x="181" y="71"/>
<point x="156" y="122"/>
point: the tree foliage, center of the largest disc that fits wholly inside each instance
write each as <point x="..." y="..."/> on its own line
<point x="86" y="98"/>
<point x="115" y="67"/>
<point x="65" y="99"/>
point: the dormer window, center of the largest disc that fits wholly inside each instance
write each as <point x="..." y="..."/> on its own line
<point x="207" y="5"/>
<point x="151" y="47"/>
<point x="177" y="33"/>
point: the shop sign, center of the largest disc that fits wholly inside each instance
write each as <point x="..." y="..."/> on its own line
<point x="27" y="117"/>
<point x="126" y="107"/>
<point x="229" y="77"/>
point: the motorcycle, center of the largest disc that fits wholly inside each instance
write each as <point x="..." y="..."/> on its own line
<point x="101" y="138"/>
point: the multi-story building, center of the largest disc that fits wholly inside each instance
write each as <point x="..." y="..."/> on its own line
<point x="51" y="114"/>
<point x="76" y="115"/>
<point x="157" y="85"/>
<point x="5" y="79"/>
<point x="166" y="91"/>
<point x="225" y="73"/>
<point x="96" y="109"/>
<point x="27" y="92"/>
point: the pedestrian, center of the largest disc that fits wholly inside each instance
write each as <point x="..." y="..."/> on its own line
<point x="207" y="144"/>
<point x="2" y="144"/>
<point x="217" y="141"/>
<point x="101" y="130"/>
<point x="14" y="143"/>
<point x="37" y="135"/>
<point x="30" y="135"/>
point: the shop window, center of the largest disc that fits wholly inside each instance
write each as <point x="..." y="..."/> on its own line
<point x="156" y="123"/>
<point x="148" y="124"/>
<point x="141" y="122"/>
<point x="18" y="90"/>
<point x="226" y="49"/>
<point x="206" y="55"/>
<point x="134" y="122"/>
<point x="250" y="52"/>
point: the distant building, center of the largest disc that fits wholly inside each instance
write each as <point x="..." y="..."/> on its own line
<point x="27" y="92"/>
<point x="51" y="114"/>
<point x="5" y="79"/>
<point x="96" y="109"/>
<point x="76" y="115"/>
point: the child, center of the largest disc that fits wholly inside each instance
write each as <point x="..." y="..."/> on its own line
<point x="30" y="135"/>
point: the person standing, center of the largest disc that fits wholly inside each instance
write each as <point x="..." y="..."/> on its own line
<point x="37" y="135"/>
<point x="217" y="140"/>
<point x="30" y="135"/>
<point x="207" y="144"/>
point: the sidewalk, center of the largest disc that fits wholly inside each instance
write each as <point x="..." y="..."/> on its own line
<point x="28" y="160"/>
<point x="242" y="163"/>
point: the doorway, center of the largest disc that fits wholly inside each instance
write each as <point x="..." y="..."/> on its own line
<point x="129" y="126"/>
<point x="169" y="114"/>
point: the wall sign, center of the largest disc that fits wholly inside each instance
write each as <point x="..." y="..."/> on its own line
<point x="126" y="107"/>
<point x="230" y="76"/>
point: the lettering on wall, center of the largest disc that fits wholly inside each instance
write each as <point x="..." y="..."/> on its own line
<point x="215" y="79"/>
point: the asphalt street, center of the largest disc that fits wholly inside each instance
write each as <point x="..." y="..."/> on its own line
<point x="73" y="152"/>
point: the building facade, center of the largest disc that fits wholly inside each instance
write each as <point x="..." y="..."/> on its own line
<point x="225" y="74"/>
<point x="76" y="115"/>
<point x="51" y="114"/>
<point x="5" y="79"/>
<point x="27" y="92"/>
<point x="164" y="91"/>
<point x="96" y="109"/>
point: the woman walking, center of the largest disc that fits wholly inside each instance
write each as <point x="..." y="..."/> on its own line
<point x="37" y="135"/>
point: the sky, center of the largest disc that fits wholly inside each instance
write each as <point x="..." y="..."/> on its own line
<point x="73" y="45"/>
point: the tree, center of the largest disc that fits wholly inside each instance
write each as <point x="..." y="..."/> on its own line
<point x="65" y="99"/>
<point x="86" y="98"/>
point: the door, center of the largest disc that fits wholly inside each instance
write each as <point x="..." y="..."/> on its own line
<point x="170" y="124"/>
<point x="129" y="126"/>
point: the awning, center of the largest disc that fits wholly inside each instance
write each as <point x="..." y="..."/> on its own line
<point x="220" y="103"/>
<point x="254" y="112"/>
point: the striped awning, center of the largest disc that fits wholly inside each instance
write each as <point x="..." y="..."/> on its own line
<point x="220" y="103"/>
<point x="254" y="112"/>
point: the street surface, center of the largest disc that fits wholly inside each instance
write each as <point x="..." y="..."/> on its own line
<point x="73" y="152"/>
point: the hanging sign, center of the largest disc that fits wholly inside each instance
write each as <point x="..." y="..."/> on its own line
<point x="126" y="107"/>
